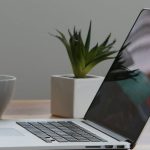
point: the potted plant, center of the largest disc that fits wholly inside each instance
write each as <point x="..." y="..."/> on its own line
<point x="71" y="95"/>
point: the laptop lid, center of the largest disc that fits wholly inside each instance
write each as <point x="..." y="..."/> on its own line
<point x="122" y="103"/>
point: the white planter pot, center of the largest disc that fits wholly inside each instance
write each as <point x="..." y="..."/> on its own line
<point x="71" y="97"/>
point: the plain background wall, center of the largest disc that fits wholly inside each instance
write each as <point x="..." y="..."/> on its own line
<point x="29" y="53"/>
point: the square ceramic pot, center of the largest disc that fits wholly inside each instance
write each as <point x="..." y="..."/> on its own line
<point x="71" y="97"/>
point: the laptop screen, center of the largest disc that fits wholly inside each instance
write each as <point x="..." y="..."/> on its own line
<point x="122" y="104"/>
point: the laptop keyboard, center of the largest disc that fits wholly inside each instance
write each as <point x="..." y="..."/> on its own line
<point x="60" y="131"/>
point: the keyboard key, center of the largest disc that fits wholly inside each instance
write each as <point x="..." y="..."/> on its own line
<point x="59" y="139"/>
<point x="48" y="140"/>
<point x="60" y="131"/>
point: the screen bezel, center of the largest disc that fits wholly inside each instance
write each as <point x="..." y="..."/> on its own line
<point x="86" y="116"/>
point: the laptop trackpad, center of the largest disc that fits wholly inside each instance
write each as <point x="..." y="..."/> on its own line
<point x="9" y="132"/>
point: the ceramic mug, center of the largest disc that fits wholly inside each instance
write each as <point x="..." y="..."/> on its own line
<point x="7" y="84"/>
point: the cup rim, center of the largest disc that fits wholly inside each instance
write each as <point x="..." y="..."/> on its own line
<point x="8" y="77"/>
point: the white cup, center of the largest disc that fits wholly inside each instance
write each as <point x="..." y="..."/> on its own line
<point x="7" y="84"/>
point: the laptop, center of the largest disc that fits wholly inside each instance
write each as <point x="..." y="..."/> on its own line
<point x="116" y="116"/>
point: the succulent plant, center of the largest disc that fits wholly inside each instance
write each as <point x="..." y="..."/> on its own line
<point x="82" y="58"/>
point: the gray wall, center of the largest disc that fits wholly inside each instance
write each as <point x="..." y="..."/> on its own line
<point x="29" y="53"/>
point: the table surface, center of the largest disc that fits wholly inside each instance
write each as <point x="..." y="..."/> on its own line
<point x="23" y="109"/>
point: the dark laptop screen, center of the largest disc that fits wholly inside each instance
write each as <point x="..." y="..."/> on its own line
<point x="122" y="103"/>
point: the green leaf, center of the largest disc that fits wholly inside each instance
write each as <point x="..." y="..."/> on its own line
<point x="100" y="57"/>
<point x="67" y="46"/>
<point x="69" y="33"/>
<point x="107" y="39"/>
<point x="91" y="65"/>
<point x="87" y="43"/>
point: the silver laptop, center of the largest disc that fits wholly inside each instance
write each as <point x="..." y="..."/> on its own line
<point x="117" y="115"/>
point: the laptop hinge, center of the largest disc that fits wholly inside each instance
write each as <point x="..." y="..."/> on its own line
<point x="107" y="131"/>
